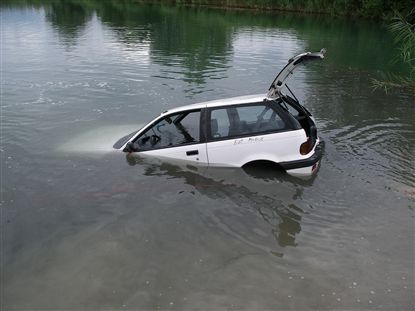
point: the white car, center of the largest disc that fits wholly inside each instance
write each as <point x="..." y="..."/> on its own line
<point x="237" y="132"/>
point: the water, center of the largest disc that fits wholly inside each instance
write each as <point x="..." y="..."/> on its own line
<point x="85" y="227"/>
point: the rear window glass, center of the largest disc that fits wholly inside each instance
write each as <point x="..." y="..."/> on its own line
<point x="244" y="120"/>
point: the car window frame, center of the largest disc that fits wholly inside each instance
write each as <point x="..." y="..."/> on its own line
<point x="289" y="124"/>
<point x="202" y="135"/>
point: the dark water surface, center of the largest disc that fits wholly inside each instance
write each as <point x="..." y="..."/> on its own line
<point x="84" y="227"/>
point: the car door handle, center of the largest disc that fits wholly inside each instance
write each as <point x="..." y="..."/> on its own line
<point x="192" y="152"/>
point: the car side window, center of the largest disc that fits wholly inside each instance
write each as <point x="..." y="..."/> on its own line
<point x="171" y="131"/>
<point x="244" y="120"/>
<point x="219" y="123"/>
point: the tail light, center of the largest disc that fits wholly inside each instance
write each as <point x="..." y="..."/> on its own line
<point x="307" y="146"/>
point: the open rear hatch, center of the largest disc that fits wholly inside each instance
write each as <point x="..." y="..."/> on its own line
<point x="291" y="104"/>
<point x="285" y="74"/>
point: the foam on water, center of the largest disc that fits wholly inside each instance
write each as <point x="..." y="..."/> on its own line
<point x="97" y="141"/>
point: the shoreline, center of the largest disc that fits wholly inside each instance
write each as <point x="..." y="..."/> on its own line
<point x="241" y="7"/>
<point x="245" y="6"/>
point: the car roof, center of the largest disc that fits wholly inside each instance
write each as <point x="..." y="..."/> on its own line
<point x="221" y="102"/>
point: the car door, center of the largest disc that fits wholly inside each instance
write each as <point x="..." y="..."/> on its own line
<point x="239" y="134"/>
<point x="175" y="136"/>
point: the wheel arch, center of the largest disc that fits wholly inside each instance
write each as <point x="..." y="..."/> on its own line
<point x="263" y="163"/>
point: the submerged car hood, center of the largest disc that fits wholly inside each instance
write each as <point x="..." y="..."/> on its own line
<point x="281" y="79"/>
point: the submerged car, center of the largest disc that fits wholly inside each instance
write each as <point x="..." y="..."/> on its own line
<point x="237" y="132"/>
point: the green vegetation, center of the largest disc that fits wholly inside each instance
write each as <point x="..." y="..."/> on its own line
<point x="375" y="9"/>
<point x="403" y="27"/>
<point x="364" y="8"/>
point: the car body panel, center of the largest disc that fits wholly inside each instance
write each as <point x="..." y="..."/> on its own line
<point x="276" y="147"/>
<point x="195" y="153"/>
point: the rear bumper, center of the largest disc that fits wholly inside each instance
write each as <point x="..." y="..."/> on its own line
<point x="315" y="158"/>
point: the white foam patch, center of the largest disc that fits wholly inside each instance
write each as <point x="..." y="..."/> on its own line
<point x="99" y="140"/>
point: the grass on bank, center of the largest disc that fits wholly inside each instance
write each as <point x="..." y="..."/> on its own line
<point x="403" y="28"/>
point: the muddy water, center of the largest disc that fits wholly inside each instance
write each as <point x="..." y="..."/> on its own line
<point x="84" y="227"/>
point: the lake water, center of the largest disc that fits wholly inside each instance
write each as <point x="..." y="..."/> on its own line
<point x="85" y="227"/>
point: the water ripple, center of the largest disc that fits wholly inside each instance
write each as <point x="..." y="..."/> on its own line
<point x="381" y="146"/>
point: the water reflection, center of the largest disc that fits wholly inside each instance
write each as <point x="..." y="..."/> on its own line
<point x="184" y="53"/>
<point x="131" y="23"/>
<point x="201" y="35"/>
<point x="182" y="50"/>
<point x="69" y="18"/>
<point x="195" y="46"/>
<point x="180" y="46"/>
<point x="272" y="194"/>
